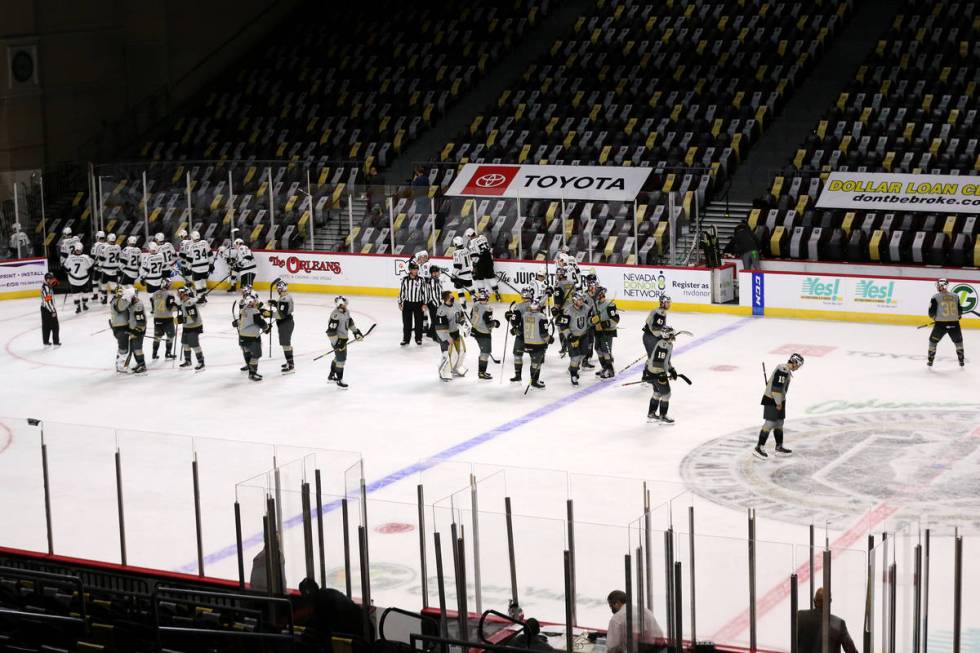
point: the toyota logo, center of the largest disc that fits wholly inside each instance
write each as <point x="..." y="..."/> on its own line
<point x="491" y="180"/>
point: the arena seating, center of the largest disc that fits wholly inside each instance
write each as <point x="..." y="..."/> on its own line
<point x="656" y="84"/>
<point x="339" y="90"/>
<point x="911" y="108"/>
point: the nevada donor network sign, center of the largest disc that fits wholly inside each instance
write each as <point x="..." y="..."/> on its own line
<point x="607" y="183"/>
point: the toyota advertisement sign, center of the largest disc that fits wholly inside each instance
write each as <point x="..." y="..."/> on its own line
<point x="603" y="183"/>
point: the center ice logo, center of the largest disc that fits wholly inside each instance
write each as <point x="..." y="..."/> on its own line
<point x="826" y="292"/>
<point x="870" y="291"/>
<point x="967" y="295"/>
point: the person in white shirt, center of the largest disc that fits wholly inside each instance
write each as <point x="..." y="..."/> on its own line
<point x="651" y="636"/>
<point x="20" y="244"/>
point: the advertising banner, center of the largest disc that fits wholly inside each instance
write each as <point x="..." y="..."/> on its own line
<point x="636" y="287"/>
<point x="599" y="183"/>
<point x="901" y="192"/>
<point x="850" y="297"/>
<point x="22" y="277"/>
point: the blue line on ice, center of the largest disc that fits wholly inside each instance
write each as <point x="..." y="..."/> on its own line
<point x="466" y="445"/>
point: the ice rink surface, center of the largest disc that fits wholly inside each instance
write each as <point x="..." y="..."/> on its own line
<point x="881" y="443"/>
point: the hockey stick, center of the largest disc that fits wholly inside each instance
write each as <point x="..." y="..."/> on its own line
<point x="504" y="357"/>
<point x="363" y="336"/>
<point x="173" y="352"/>
<point x="765" y="375"/>
<point x="923" y="326"/>
<point x="500" y="277"/>
<point x="211" y="289"/>
<point x="271" y="286"/>
<point x="631" y="364"/>
<point x="679" y="376"/>
<point x="974" y="313"/>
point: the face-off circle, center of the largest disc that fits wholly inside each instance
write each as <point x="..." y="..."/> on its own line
<point x="920" y="463"/>
<point x="490" y="180"/>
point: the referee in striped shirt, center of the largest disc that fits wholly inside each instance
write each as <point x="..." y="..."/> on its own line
<point x="411" y="298"/>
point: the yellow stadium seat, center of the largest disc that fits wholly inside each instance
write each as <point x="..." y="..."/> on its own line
<point x="848" y="222"/>
<point x="753" y="220"/>
<point x="777" y="235"/>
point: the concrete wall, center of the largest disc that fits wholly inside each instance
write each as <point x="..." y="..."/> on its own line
<point x="100" y="60"/>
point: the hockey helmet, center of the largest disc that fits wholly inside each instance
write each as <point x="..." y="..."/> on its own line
<point x="239" y="242"/>
<point x="457" y="242"/>
<point x="579" y="298"/>
<point x="66" y="231"/>
<point x="99" y="235"/>
<point x="131" y="240"/>
<point x="166" y="283"/>
<point x="422" y="256"/>
<point x="111" y="238"/>
<point x="796" y="360"/>
<point x="281" y="286"/>
<point x="470" y="233"/>
<point x="195" y="235"/>
<point x="482" y="295"/>
<point x="540" y="275"/>
<point x="182" y="234"/>
<point x="600" y="292"/>
<point x="340" y="301"/>
<point x="185" y="291"/>
<point x="119" y="291"/>
<point x="942" y="284"/>
<point x="152" y="247"/>
<point x="665" y="301"/>
<point x="667" y="333"/>
<point x="76" y="248"/>
<point x="158" y="237"/>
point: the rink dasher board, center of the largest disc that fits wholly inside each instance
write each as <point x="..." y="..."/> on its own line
<point x="850" y="297"/>
<point x="21" y="278"/>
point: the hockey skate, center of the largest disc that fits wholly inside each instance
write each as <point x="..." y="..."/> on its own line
<point x="653" y="417"/>
<point x="445" y="372"/>
<point x="760" y="453"/>
<point x="287" y="368"/>
<point x="666" y="419"/>
<point x="783" y="450"/>
<point x="186" y="364"/>
<point x="140" y="369"/>
<point x="200" y="366"/>
<point x="486" y="376"/>
<point x="254" y="376"/>
<point x="574" y="379"/>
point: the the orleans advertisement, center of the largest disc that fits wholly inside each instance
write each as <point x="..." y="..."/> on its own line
<point x="884" y="298"/>
<point x="382" y="275"/>
<point x="885" y="191"/>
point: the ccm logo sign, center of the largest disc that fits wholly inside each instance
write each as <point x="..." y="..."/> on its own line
<point x="491" y="180"/>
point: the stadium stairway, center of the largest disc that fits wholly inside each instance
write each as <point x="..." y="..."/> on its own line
<point x="427" y="147"/>
<point x="817" y="92"/>
<point x="723" y="214"/>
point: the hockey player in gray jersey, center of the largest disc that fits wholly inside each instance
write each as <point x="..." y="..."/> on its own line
<point x="448" y="318"/>
<point x="515" y="317"/>
<point x="945" y="310"/>
<point x="189" y="316"/>
<point x="659" y="372"/>
<point x="251" y="325"/>
<point x="774" y="405"/>
<point x="606" y="322"/>
<point x="110" y="266"/>
<point x="129" y="259"/>
<point x="654" y="324"/>
<point x="575" y="323"/>
<point x="339" y="330"/>
<point x="481" y="319"/>
<point x="119" y="323"/>
<point x="536" y="339"/>
<point x="97" y="253"/>
<point x="282" y="310"/>
<point x="137" y="332"/>
<point x="163" y="305"/>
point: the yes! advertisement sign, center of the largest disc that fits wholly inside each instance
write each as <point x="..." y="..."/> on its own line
<point x="850" y="297"/>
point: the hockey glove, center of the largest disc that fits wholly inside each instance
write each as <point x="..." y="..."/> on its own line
<point x="508" y="315"/>
<point x="595" y="319"/>
<point x="513" y="331"/>
<point x="358" y="335"/>
<point x="555" y="312"/>
<point x="234" y="323"/>
<point x="494" y="324"/>
<point x="673" y="374"/>
<point x="648" y="376"/>
<point x="551" y="340"/>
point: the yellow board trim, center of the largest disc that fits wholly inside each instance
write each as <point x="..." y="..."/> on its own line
<point x="857" y="316"/>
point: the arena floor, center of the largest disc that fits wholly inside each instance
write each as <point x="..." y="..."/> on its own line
<point x="880" y="443"/>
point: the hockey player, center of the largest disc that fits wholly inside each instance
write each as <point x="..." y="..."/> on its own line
<point x="163" y="305"/>
<point x="79" y="268"/>
<point x="421" y="259"/>
<point x="566" y="263"/>
<point x="97" y="253"/>
<point x="774" y="405"/>
<point x="515" y="317"/>
<point x="433" y="300"/>
<point x="339" y="330"/>
<point x="462" y="270"/>
<point x="251" y="325"/>
<point x="447" y="323"/>
<point x="482" y="256"/>
<point x="246" y="263"/>
<point x="282" y="309"/>
<point x="575" y="323"/>
<point x="536" y="339"/>
<point x="184" y="254"/>
<point x="945" y="310"/>
<point x="654" y="324"/>
<point x="50" y="329"/>
<point x="230" y="256"/>
<point x="167" y="251"/>
<point x="563" y="293"/>
<point x="540" y="287"/>
<point x="110" y="267"/>
<point x="19" y="245"/>
<point x="119" y="323"/>
<point x="137" y="332"/>
<point x="151" y="268"/>
<point x="65" y="245"/>
<point x="589" y="286"/>
<point x="483" y="324"/>
<point x="189" y="316"/>
<point x="129" y="259"/>
<point x="659" y="372"/>
<point x="201" y="258"/>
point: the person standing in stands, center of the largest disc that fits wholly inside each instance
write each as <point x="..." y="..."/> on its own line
<point x="809" y="629"/>
<point x="50" y="329"/>
<point x="744" y="245"/>
<point x="411" y="297"/>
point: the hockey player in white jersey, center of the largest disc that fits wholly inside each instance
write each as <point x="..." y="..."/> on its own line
<point x="79" y="266"/>
<point x="184" y="254"/>
<point x="168" y="253"/>
<point x="539" y="286"/>
<point x="151" y="268"/>
<point x="245" y="262"/>
<point x="65" y="245"/>
<point x="230" y="256"/>
<point x="110" y="266"/>
<point x="201" y="261"/>
<point x="96" y="253"/>
<point x="421" y="259"/>
<point x="462" y="270"/>
<point x="130" y="259"/>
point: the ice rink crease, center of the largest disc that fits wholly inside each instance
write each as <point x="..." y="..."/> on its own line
<point x="880" y="443"/>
